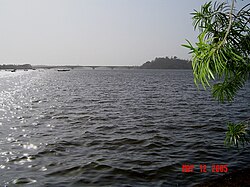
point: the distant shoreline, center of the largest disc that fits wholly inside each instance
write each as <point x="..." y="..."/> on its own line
<point x="20" y="67"/>
<point x="13" y="66"/>
<point x="158" y="63"/>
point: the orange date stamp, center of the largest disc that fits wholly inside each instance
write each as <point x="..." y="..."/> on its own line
<point x="203" y="168"/>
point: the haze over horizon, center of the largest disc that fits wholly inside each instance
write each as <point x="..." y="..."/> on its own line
<point x="94" y="32"/>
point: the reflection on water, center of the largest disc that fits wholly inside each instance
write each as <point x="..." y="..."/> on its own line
<point x="119" y="127"/>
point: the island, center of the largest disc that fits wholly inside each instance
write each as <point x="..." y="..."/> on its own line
<point x="167" y="63"/>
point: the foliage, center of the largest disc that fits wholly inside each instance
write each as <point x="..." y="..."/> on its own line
<point x="223" y="48"/>
<point x="222" y="53"/>
<point x="237" y="134"/>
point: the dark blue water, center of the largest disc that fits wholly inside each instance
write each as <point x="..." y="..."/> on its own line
<point x="112" y="128"/>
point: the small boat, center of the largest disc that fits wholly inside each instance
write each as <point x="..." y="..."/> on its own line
<point x="63" y="70"/>
<point x="14" y="70"/>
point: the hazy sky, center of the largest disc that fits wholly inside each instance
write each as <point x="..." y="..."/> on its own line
<point x="94" y="32"/>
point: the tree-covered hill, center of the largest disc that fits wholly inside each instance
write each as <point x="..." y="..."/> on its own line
<point x="167" y="63"/>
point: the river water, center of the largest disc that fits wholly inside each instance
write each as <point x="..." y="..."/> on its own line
<point x="113" y="128"/>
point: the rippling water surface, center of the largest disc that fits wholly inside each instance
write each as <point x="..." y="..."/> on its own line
<point x="112" y="128"/>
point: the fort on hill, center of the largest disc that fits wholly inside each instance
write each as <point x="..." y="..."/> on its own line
<point x="167" y="63"/>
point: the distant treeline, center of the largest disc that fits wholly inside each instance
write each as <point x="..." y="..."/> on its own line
<point x="167" y="63"/>
<point x="12" y="66"/>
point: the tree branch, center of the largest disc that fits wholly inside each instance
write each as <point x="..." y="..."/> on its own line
<point x="229" y="25"/>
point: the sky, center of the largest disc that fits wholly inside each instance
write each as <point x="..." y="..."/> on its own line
<point x="94" y="32"/>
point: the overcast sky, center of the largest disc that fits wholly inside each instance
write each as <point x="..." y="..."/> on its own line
<point x="94" y="32"/>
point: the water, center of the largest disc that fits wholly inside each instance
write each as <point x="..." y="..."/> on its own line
<point x="112" y="128"/>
